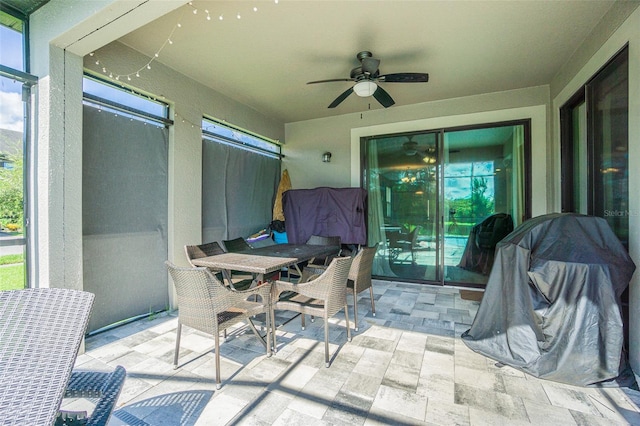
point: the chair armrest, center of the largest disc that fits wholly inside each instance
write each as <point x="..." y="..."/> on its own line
<point x="263" y="290"/>
<point x="316" y="288"/>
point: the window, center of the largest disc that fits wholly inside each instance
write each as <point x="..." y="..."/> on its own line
<point x="235" y="136"/>
<point x="594" y="146"/>
<point x="15" y="143"/>
<point x="237" y="166"/>
<point x="127" y="102"/>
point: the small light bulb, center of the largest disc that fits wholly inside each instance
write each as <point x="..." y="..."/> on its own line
<point x="117" y="77"/>
<point x="255" y="9"/>
<point x="170" y="41"/>
<point x="104" y="69"/>
<point x="156" y="55"/>
<point x="97" y="62"/>
<point x="91" y="54"/>
<point x="179" y="25"/>
<point x="148" y="66"/>
<point x="195" y="11"/>
<point x="129" y="77"/>
<point x="221" y="17"/>
<point x="138" y="74"/>
<point x="238" y="16"/>
<point x="110" y="75"/>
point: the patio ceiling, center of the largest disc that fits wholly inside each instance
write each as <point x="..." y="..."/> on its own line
<point x="265" y="59"/>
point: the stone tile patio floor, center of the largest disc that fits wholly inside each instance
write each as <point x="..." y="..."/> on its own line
<point x="407" y="365"/>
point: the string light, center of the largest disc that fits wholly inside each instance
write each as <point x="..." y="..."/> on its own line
<point x="168" y="41"/>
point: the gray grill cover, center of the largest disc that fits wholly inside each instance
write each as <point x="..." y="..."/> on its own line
<point x="551" y="307"/>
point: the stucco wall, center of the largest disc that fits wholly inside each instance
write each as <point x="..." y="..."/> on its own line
<point x="307" y="140"/>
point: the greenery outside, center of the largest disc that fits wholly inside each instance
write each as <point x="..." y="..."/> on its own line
<point x="11" y="193"/>
<point x="11" y="272"/>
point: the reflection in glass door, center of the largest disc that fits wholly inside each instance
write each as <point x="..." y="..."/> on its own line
<point x="440" y="201"/>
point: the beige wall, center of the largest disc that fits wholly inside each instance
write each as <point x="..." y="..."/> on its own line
<point x="59" y="41"/>
<point x="307" y="140"/>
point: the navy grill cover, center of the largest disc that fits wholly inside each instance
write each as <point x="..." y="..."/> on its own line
<point x="551" y="307"/>
<point x="326" y="212"/>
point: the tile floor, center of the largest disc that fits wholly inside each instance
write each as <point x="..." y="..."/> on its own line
<point x="405" y="366"/>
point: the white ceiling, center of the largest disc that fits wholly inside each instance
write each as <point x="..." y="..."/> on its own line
<point x="265" y="59"/>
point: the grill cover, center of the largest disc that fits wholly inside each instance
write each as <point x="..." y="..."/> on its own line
<point x="551" y="307"/>
<point x="326" y="212"/>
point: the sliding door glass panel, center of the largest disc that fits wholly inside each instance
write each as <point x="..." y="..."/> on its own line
<point x="12" y="229"/>
<point x="439" y="201"/>
<point x="401" y="177"/>
<point x="579" y="158"/>
<point x="608" y="93"/>
<point x="483" y="197"/>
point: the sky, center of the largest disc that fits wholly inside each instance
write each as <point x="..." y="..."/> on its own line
<point x="11" y="108"/>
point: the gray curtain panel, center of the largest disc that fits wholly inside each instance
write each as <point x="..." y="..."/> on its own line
<point x="124" y="216"/>
<point x="238" y="191"/>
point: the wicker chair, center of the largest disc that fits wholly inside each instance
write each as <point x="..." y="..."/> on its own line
<point x="207" y="305"/>
<point x="359" y="277"/>
<point x="235" y="245"/>
<point x="40" y="333"/>
<point x="212" y="249"/>
<point x="323" y="296"/>
<point x="316" y="240"/>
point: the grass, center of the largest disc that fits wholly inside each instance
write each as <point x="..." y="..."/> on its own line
<point x="12" y="272"/>
<point x="11" y="259"/>
<point x="12" y="277"/>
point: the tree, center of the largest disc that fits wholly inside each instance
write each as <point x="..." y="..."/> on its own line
<point x="11" y="191"/>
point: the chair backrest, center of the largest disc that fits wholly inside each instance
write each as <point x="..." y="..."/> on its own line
<point x="334" y="285"/>
<point x="360" y="272"/>
<point x="236" y="245"/>
<point x="202" y="250"/>
<point x="200" y="296"/>
<point x="317" y="240"/>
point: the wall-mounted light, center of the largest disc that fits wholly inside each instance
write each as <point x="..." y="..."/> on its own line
<point x="326" y="157"/>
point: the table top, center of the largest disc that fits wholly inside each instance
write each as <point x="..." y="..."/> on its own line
<point x="40" y="334"/>
<point x="264" y="260"/>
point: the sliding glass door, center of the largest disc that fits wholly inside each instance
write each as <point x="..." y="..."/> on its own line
<point x="439" y="201"/>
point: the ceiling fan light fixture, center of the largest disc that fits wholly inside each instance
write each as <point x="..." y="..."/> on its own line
<point x="365" y="88"/>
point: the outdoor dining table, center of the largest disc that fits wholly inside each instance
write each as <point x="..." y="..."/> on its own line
<point x="267" y="259"/>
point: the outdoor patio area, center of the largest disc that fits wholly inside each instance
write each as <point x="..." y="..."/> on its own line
<point x="406" y="365"/>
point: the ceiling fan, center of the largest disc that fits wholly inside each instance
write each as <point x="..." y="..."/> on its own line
<point x="367" y="78"/>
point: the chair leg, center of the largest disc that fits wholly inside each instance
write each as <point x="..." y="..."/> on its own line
<point x="267" y="317"/>
<point x="177" y="349"/>
<point x="373" y="304"/>
<point x="346" y="317"/>
<point x="302" y="319"/>
<point x="355" y="310"/>
<point x="273" y="330"/>
<point x="217" y="340"/>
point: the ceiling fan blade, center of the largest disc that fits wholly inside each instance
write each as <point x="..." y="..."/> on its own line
<point x="341" y="98"/>
<point x="370" y="65"/>
<point x="383" y="97"/>
<point x="405" y="77"/>
<point x="330" y="80"/>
